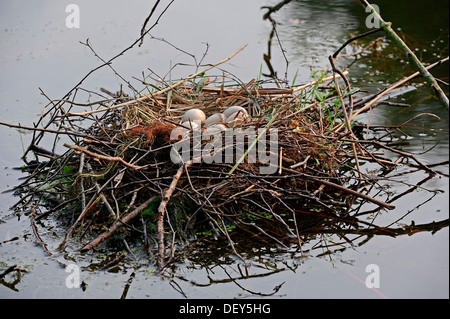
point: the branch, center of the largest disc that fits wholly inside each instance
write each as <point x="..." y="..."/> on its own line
<point x="274" y="8"/>
<point x="118" y="223"/>
<point x="146" y="21"/>
<point x="341" y="188"/>
<point x="162" y="210"/>
<point x="395" y="85"/>
<point x="103" y="157"/>
<point x="146" y="97"/>
<point x="386" y="26"/>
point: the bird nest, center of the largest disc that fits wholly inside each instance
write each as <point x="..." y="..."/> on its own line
<point x="285" y="163"/>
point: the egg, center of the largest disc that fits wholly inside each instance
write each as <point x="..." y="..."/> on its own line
<point x="182" y="132"/>
<point x="214" y="129"/>
<point x="215" y="119"/>
<point x="190" y="125"/>
<point x="194" y="115"/>
<point x="235" y="118"/>
<point x="179" y="133"/>
<point x="234" y="109"/>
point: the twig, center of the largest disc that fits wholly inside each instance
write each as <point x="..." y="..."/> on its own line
<point x="146" y="21"/>
<point x="8" y="270"/>
<point x="39" y="239"/>
<point x="346" y="114"/>
<point x="18" y="126"/>
<point x="103" y="157"/>
<point x="395" y="85"/>
<point x="353" y="39"/>
<point x="162" y="210"/>
<point x="423" y="166"/>
<point x="304" y="86"/>
<point x="171" y="87"/>
<point x="115" y="261"/>
<point x="116" y="225"/>
<point x="274" y="8"/>
<point x="341" y="188"/>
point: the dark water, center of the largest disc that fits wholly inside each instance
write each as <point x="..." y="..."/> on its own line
<point x="38" y="51"/>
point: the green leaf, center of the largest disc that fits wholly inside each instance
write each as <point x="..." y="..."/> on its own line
<point x="201" y="83"/>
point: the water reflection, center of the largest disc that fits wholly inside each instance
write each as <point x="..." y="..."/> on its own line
<point x="323" y="236"/>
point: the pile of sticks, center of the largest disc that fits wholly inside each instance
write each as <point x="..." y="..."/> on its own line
<point x="106" y="171"/>
<point x="115" y="166"/>
<point x="112" y="171"/>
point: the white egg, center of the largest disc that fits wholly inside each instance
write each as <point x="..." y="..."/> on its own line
<point x="191" y="125"/>
<point x="184" y="130"/>
<point x="179" y="133"/>
<point x="234" y="109"/>
<point x="195" y="115"/>
<point x="235" y="118"/>
<point x="215" y="119"/>
<point x="214" y="129"/>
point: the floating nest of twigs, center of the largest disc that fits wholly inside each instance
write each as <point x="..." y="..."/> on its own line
<point x="135" y="169"/>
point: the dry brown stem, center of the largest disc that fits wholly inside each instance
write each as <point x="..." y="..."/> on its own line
<point x="117" y="224"/>
<point x="103" y="157"/>
<point x="162" y="209"/>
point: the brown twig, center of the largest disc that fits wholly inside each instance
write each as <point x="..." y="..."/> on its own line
<point x="39" y="239"/>
<point x="103" y="157"/>
<point x="146" y="21"/>
<point x="116" y="225"/>
<point x="169" y="88"/>
<point x="162" y="209"/>
<point x="395" y="85"/>
<point x="342" y="188"/>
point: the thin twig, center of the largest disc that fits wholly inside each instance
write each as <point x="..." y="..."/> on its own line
<point x="103" y="157"/>
<point x="171" y="87"/>
<point x="162" y="210"/>
<point x="117" y="224"/>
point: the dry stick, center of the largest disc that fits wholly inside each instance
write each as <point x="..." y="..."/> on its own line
<point x="356" y="38"/>
<point x="99" y="191"/>
<point x="41" y="242"/>
<point x="103" y="157"/>
<point x="401" y="82"/>
<point x="386" y="26"/>
<point x="92" y="202"/>
<point x="171" y="87"/>
<point x="341" y="188"/>
<point x="421" y="165"/>
<point x="146" y="21"/>
<point x="80" y="171"/>
<point x="347" y="119"/>
<point x="118" y="223"/>
<point x="162" y="210"/>
<point x="386" y="91"/>
<point x="329" y="78"/>
<point x="274" y="8"/>
<point x="18" y="126"/>
<point x="358" y="194"/>
<point x="8" y="270"/>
